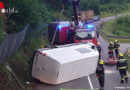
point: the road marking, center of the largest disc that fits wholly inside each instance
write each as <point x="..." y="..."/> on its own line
<point x="107" y="71"/>
<point x="90" y="82"/>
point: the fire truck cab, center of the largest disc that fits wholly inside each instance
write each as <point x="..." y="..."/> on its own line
<point x="66" y="33"/>
<point x="87" y="33"/>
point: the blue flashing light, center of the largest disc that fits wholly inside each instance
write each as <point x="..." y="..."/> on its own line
<point x="81" y="24"/>
<point x="90" y="26"/>
<point x="67" y="25"/>
<point x="59" y="27"/>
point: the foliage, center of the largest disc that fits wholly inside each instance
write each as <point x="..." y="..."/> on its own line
<point x="108" y="28"/>
<point x="90" y="5"/>
<point x="1" y="23"/>
<point x="53" y="4"/>
<point x="122" y="26"/>
<point x="111" y="7"/>
<point x="29" y="11"/>
<point x="103" y="5"/>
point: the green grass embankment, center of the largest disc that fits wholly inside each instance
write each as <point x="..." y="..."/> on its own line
<point x="120" y="27"/>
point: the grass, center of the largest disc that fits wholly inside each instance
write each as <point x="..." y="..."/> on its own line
<point x="107" y="28"/>
<point x="19" y="62"/>
<point x="113" y="39"/>
<point x="107" y="14"/>
<point x="128" y="60"/>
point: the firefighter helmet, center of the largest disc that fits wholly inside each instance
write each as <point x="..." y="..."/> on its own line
<point x="120" y="54"/>
<point x="42" y="46"/>
<point x="98" y="43"/>
<point x="79" y="16"/>
<point x="116" y="40"/>
<point x="101" y="62"/>
<point x="111" y="42"/>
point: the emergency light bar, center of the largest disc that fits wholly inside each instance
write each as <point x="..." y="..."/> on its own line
<point x="89" y="26"/>
<point x="62" y="24"/>
<point x="59" y="26"/>
<point x="80" y="24"/>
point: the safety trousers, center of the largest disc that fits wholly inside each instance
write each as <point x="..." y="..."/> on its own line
<point x="116" y="52"/>
<point x="124" y="76"/>
<point x="101" y="81"/>
<point x="111" y="54"/>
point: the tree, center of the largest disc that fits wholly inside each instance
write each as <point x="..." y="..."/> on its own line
<point x="29" y="11"/>
<point x="90" y="5"/>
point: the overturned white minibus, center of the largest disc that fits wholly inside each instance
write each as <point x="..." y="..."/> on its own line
<point x="64" y="63"/>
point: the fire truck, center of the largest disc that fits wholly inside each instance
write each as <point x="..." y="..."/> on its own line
<point x="66" y="33"/>
<point x="72" y="32"/>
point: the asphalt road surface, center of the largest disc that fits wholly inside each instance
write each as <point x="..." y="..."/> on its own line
<point x="112" y="77"/>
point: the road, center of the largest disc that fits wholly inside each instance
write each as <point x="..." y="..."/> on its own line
<point x="112" y="77"/>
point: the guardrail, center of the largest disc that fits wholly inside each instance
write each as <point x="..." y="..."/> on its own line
<point x="111" y="36"/>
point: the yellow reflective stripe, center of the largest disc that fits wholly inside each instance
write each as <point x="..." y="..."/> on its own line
<point x="126" y="76"/>
<point x="122" y="67"/>
<point x="122" y="79"/>
<point x="122" y="60"/>
<point x="111" y="49"/>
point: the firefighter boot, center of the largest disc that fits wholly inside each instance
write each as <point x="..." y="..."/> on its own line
<point x="126" y="79"/>
<point x="117" y="55"/>
<point x="122" y="80"/>
<point x="101" y="88"/>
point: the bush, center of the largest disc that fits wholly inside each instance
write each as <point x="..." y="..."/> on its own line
<point x="112" y="8"/>
<point x="1" y="23"/>
<point x="122" y="26"/>
<point x="31" y="11"/>
<point x="90" y="5"/>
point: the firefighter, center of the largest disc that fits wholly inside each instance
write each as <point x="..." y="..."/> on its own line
<point x="122" y="67"/>
<point x="100" y="74"/>
<point x="99" y="50"/>
<point x="116" y="47"/>
<point x="110" y="50"/>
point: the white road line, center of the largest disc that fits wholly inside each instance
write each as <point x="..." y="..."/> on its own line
<point x="90" y="82"/>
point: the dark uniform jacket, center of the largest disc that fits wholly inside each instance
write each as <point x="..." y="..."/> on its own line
<point x="100" y="71"/>
<point x="110" y="47"/>
<point x="116" y="45"/>
<point x="99" y="49"/>
<point x="122" y="64"/>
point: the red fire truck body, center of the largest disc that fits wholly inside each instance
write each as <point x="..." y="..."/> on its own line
<point x="67" y="34"/>
<point x="86" y="35"/>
